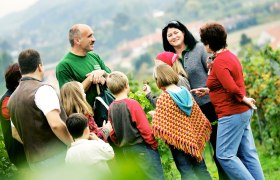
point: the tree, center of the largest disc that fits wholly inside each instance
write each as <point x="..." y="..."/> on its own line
<point x="144" y="58"/>
<point x="245" y="40"/>
<point x="262" y="83"/>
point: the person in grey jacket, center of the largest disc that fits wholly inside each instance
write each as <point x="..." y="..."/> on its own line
<point x="193" y="56"/>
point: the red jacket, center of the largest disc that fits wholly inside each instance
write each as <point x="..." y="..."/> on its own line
<point x="226" y="84"/>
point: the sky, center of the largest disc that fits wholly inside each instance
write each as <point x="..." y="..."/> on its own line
<point x="10" y="6"/>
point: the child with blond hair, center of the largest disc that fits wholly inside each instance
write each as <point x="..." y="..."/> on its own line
<point x="74" y="100"/>
<point x="181" y="124"/>
<point x="132" y="133"/>
<point x="170" y="59"/>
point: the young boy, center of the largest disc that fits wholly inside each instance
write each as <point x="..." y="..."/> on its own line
<point x="87" y="149"/>
<point x="131" y="130"/>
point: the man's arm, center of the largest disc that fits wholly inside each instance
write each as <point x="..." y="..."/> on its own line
<point x="87" y="82"/>
<point x="58" y="126"/>
<point x="47" y="101"/>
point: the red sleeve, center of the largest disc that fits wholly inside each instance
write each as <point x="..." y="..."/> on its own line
<point x="4" y="108"/>
<point x="224" y="75"/>
<point x="94" y="128"/>
<point x="112" y="133"/>
<point x="139" y="117"/>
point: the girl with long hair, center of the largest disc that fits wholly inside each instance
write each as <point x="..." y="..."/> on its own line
<point x="74" y="100"/>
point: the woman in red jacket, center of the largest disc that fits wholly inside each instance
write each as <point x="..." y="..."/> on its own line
<point x="235" y="148"/>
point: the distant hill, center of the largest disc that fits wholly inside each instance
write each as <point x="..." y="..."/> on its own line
<point x="45" y="25"/>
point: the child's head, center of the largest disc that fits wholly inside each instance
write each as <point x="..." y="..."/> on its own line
<point x="74" y="99"/>
<point x="77" y="125"/>
<point x="171" y="59"/>
<point x="117" y="82"/>
<point x="165" y="76"/>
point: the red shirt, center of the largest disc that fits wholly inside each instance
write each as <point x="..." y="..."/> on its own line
<point x="93" y="128"/>
<point x="5" y="110"/>
<point x="226" y="84"/>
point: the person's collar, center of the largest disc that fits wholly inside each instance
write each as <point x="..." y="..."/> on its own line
<point x="78" y="52"/>
<point x="30" y="77"/>
<point x="186" y="49"/>
<point x="183" y="53"/>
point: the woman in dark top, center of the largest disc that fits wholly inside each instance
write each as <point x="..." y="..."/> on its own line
<point x="14" y="148"/>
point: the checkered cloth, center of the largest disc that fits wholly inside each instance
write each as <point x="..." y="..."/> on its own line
<point x="187" y="133"/>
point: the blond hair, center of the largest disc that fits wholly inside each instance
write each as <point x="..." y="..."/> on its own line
<point x="178" y="68"/>
<point x="165" y="76"/>
<point x="116" y="82"/>
<point x="74" y="100"/>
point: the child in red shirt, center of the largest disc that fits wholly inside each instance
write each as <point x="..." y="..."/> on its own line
<point x="131" y="130"/>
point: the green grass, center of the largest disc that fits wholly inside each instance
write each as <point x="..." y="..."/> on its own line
<point x="208" y="158"/>
<point x="270" y="164"/>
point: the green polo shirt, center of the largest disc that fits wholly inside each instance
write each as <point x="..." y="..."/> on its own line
<point x="75" y="68"/>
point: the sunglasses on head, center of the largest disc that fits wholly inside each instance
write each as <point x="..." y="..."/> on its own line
<point x="173" y="22"/>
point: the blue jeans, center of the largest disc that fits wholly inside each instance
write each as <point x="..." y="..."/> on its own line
<point x="145" y="159"/>
<point x="188" y="166"/>
<point x="236" y="150"/>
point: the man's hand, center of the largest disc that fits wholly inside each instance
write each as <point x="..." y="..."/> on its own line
<point x="200" y="91"/>
<point x="59" y="127"/>
<point x="97" y="76"/>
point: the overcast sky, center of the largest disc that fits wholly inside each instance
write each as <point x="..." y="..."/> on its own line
<point x="10" y="6"/>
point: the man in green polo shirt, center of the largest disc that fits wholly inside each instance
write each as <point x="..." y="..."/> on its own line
<point x="81" y="64"/>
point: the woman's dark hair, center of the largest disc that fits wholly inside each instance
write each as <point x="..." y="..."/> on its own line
<point x="76" y="124"/>
<point x="28" y="61"/>
<point x="214" y="35"/>
<point x="189" y="40"/>
<point x="12" y="76"/>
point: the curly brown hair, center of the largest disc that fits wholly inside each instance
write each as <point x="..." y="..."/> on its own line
<point x="214" y="35"/>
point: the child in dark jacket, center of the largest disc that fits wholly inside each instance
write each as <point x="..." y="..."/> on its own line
<point x="131" y="130"/>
